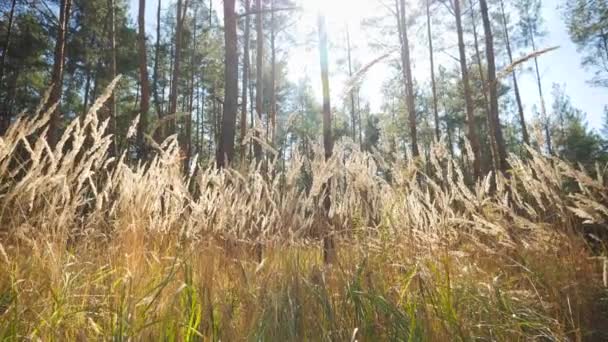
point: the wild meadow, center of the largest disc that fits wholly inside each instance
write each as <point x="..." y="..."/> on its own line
<point x="100" y="247"/>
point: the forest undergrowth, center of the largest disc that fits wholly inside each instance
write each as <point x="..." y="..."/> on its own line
<point x="94" y="246"/>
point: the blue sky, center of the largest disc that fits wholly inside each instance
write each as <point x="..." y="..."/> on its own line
<point x="562" y="66"/>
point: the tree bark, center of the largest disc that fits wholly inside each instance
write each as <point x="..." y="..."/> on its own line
<point x="406" y="68"/>
<point x="113" y="110"/>
<point x="432" y="60"/>
<point x="520" y="107"/>
<point x="470" y="113"/>
<point x="181" y="10"/>
<point x="484" y="90"/>
<point x="328" y="241"/>
<point x="245" y="82"/>
<point x="231" y="78"/>
<point x="259" y="95"/>
<point x="352" y="90"/>
<point x="5" y="118"/>
<point x="493" y="85"/>
<point x="273" y="62"/>
<point x="159" y="134"/>
<point x="57" y="74"/>
<point x="543" y="108"/>
<point x="144" y="81"/>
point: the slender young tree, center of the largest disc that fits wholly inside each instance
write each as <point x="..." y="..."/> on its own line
<point x="225" y="153"/>
<point x="471" y="127"/>
<point x="496" y="129"/>
<point x="273" y="74"/>
<point x="144" y="106"/>
<point x="57" y="74"/>
<point x="406" y="68"/>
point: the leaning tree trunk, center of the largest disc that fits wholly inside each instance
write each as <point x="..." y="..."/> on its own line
<point x="144" y="105"/>
<point x="543" y="108"/>
<point x="225" y="152"/>
<point x="407" y="76"/>
<point x="520" y="107"/>
<point x="57" y="75"/>
<point x="496" y="129"/>
<point x="471" y="127"/>
<point x="328" y="241"/>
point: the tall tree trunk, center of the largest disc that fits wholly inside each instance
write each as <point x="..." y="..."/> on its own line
<point x="259" y="95"/>
<point x="188" y="137"/>
<point x="471" y="127"/>
<point x="493" y="85"/>
<point x="181" y="10"/>
<point x="113" y="110"/>
<point x="484" y="90"/>
<point x="159" y="134"/>
<point x="406" y="68"/>
<point x="520" y="107"/>
<point x="328" y="144"/>
<point x="5" y="118"/>
<point x="352" y="90"/>
<point x="432" y="60"/>
<point x="245" y="81"/>
<point x="273" y="76"/>
<point x="144" y="107"/>
<point x="57" y="75"/>
<point x="231" y="78"/>
<point x="543" y="108"/>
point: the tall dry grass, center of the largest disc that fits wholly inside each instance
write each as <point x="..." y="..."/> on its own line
<point x="100" y="247"/>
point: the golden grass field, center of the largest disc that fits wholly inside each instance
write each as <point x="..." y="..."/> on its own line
<point x="95" y="247"/>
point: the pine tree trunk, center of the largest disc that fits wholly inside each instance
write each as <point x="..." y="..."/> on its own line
<point x="328" y="241"/>
<point x="231" y="78"/>
<point x="159" y="134"/>
<point x="543" y="108"/>
<point x="352" y="90"/>
<point x="144" y="81"/>
<point x="484" y="90"/>
<point x="496" y="128"/>
<point x="432" y="60"/>
<point x="273" y="75"/>
<point x="407" y="76"/>
<point x="259" y="95"/>
<point x="113" y="110"/>
<point x="5" y="118"/>
<point x="181" y="10"/>
<point x="245" y="81"/>
<point x="57" y="74"/>
<point x="520" y="107"/>
<point x="471" y="126"/>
